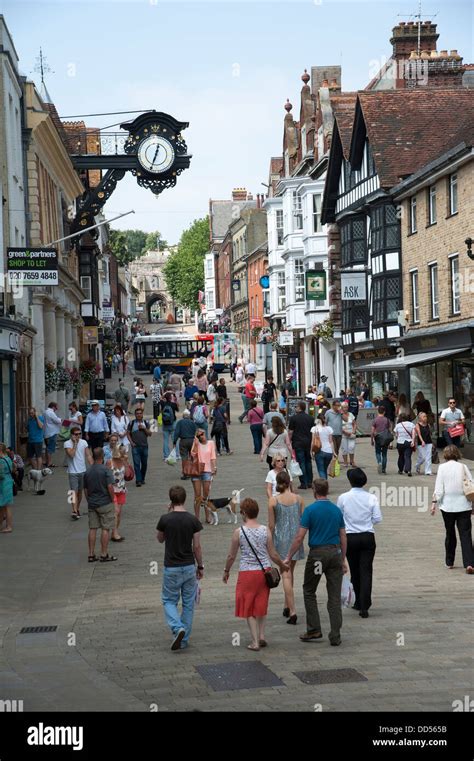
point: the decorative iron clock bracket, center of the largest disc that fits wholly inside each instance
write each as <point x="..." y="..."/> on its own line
<point x="154" y="151"/>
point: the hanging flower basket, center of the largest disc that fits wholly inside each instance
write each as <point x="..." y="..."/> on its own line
<point x="324" y="330"/>
<point x="89" y="370"/>
<point x="51" y="377"/>
<point x="63" y="378"/>
<point x="75" y="380"/>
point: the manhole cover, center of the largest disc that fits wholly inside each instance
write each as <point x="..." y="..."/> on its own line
<point x="239" y="675"/>
<point x="38" y="629"/>
<point x="330" y="676"/>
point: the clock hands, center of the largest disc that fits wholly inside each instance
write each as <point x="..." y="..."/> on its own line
<point x="156" y="153"/>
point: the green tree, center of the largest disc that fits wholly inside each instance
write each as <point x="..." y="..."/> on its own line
<point x="135" y="242"/>
<point x="118" y="244"/>
<point x="184" y="270"/>
<point x="153" y="241"/>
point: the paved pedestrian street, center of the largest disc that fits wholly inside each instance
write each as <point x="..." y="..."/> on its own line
<point x="111" y="648"/>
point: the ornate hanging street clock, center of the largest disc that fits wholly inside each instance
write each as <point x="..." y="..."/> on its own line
<point x="154" y="152"/>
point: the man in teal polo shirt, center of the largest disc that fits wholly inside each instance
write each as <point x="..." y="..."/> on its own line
<point x="327" y="554"/>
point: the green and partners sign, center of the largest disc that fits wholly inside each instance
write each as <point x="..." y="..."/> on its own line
<point x="32" y="266"/>
<point x="316" y="285"/>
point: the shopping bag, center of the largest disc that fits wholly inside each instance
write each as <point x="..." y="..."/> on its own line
<point x="159" y="419"/>
<point x="456" y="430"/>
<point x="197" y="594"/>
<point x="129" y="472"/>
<point x="172" y="459"/>
<point x="332" y="468"/>
<point x="337" y="469"/>
<point x="347" y="593"/>
<point x="295" y="469"/>
<point x="64" y="434"/>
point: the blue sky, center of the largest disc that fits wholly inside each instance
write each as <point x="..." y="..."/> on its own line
<point x="226" y="67"/>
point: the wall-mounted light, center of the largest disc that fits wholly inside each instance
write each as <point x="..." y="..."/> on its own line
<point x="469" y="251"/>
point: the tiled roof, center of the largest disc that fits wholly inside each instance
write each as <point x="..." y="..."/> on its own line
<point x="222" y="214"/>
<point x="343" y="105"/>
<point x="409" y="128"/>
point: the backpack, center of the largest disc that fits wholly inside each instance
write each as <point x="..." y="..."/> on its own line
<point x="327" y="392"/>
<point x="199" y="416"/>
<point x="167" y="415"/>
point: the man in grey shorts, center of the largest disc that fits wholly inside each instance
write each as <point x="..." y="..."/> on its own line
<point x="77" y="453"/>
<point x="98" y="488"/>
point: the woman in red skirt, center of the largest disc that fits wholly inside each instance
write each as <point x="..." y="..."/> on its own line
<point x="252" y="592"/>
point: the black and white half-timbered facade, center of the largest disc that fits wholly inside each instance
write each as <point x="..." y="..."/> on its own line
<point x="358" y="199"/>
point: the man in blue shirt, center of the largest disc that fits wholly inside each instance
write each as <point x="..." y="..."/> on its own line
<point x="157" y="372"/>
<point x="189" y="391"/>
<point x="34" y="447"/>
<point x="327" y="554"/>
<point x="97" y="427"/>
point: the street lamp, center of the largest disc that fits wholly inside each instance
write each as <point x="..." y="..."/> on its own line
<point x="469" y="251"/>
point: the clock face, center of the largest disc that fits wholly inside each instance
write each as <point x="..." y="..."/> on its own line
<point x="156" y="154"/>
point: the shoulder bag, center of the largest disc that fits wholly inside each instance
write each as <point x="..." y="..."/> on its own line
<point x="272" y="577"/>
<point x="468" y="486"/>
<point x="316" y="443"/>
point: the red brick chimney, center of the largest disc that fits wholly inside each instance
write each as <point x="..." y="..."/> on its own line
<point x="239" y="194"/>
<point x="405" y="38"/>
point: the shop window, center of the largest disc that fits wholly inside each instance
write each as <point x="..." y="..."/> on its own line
<point x="455" y="285"/>
<point x="432" y="218"/>
<point x="299" y="280"/>
<point x="453" y="194"/>
<point x="384" y="228"/>
<point x="386" y="299"/>
<point x="415" y="302"/>
<point x="353" y="241"/>
<point x="434" y="293"/>
<point x="413" y="222"/>
<point x="464" y="393"/>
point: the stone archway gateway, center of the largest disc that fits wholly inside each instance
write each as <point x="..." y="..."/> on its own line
<point x="157" y="308"/>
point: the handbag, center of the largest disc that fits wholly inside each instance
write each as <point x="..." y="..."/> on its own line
<point x="332" y="467"/>
<point x="316" y="444"/>
<point x="129" y="473"/>
<point x="434" y="456"/>
<point x="468" y="486"/>
<point x="384" y="438"/>
<point x="272" y="577"/>
<point x="456" y="430"/>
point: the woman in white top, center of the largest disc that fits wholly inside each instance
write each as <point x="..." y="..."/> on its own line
<point x="251" y="593"/>
<point x="119" y="424"/>
<point x="455" y="508"/>
<point x="74" y="414"/>
<point x="278" y="466"/>
<point x="405" y="434"/>
<point x="140" y="396"/>
<point x="361" y="511"/>
<point x="277" y="442"/>
<point x="322" y="445"/>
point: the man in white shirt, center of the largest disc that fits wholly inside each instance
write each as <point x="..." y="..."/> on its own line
<point x="251" y="369"/>
<point x="52" y="426"/>
<point x="450" y="417"/>
<point x="361" y="511"/>
<point x="78" y="454"/>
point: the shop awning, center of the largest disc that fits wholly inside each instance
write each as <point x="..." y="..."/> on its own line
<point x="408" y="360"/>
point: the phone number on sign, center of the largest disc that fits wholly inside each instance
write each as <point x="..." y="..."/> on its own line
<point x="32" y="276"/>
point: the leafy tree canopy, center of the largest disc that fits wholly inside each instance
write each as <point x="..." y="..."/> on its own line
<point x="184" y="270"/>
<point x="128" y="245"/>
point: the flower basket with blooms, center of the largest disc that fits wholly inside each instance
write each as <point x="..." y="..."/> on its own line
<point x="324" y="330"/>
<point x="89" y="370"/>
<point x="75" y="381"/>
<point x="50" y="377"/>
<point x="63" y="378"/>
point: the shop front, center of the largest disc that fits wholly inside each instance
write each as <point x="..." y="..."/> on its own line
<point x="437" y="365"/>
<point x="372" y="366"/>
<point x="10" y="354"/>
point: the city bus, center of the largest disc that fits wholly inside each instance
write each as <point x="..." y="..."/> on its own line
<point x="175" y="351"/>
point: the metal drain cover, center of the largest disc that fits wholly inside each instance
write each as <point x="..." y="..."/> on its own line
<point x="240" y="675"/>
<point x="330" y="676"/>
<point x="38" y="629"/>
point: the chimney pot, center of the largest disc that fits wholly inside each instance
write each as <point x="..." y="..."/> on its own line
<point x="413" y="55"/>
<point x="453" y="53"/>
<point x="434" y="54"/>
<point x="444" y="53"/>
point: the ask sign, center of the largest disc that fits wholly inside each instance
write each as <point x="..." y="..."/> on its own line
<point x="353" y="286"/>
